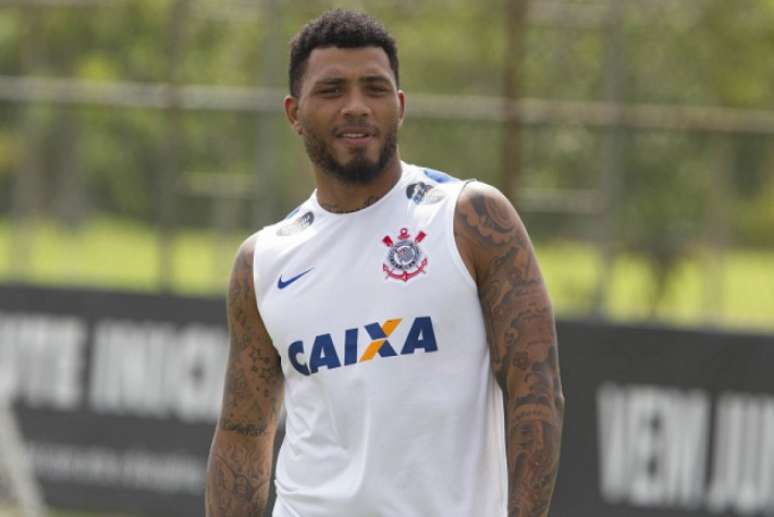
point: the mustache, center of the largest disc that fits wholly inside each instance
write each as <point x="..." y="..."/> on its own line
<point x="355" y="127"/>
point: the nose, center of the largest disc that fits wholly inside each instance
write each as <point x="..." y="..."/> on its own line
<point x="356" y="105"/>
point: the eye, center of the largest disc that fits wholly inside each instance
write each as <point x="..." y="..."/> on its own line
<point x="378" y="89"/>
<point x="330" y="90"/>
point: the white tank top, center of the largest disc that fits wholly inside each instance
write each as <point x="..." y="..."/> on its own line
<point x="392" y="407"/>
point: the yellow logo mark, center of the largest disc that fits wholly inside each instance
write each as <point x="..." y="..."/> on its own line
<point x="387" y="327"/>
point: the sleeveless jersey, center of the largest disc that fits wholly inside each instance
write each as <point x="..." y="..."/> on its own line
<point x="392" y="407"/>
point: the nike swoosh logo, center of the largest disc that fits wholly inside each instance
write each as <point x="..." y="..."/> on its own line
<point x="282" y="284"/>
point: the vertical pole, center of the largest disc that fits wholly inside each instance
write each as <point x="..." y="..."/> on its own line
<point x="167" y="181"/>
<point x="227" y="203"/>
<point x="69" y="201"/>
<point x="606" y="231"/>
<point x="716" y="232"/>
<point x="515" y="29"/>
<point x="27" y="184"/>
<point x="70" y="204"/>
<point x="267" y="136"/>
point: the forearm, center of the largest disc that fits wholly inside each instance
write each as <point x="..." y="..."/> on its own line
<point x="238" y="475"/>
<point x="534" y="407"/>
<point x="533" y="435"/>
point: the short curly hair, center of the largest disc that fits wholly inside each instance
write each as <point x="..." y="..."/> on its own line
<point x="338" y="28"/>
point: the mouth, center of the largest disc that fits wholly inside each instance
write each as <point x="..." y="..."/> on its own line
<point x="355" y="136"/>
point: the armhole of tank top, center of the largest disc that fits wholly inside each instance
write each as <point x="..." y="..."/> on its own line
<point x="452" y="241"/>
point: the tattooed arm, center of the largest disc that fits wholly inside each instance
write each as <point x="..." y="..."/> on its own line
<point x="522" y="340"/>
<point x="239" y="467"/>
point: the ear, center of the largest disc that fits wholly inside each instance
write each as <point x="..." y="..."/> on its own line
<point x="291" y="112"/>
<point x="402" y="101"/>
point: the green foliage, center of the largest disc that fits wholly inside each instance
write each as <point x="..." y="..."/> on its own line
<point x="702" y="52"/>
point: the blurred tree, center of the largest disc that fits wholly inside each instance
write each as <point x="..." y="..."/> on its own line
<point x="703" y="52"/>
<point x="711" y="53"/>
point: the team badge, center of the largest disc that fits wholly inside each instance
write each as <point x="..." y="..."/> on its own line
<point x="405" y="259"/>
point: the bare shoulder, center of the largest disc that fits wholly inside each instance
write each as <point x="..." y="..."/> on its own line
<point x="487" y="212"/>
<point x="245" y="323"/>
<point x="485" y="225"/>
<point x="241" y="287"/>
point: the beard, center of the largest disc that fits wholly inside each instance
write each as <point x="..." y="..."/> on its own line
<point x="359" y="170"/>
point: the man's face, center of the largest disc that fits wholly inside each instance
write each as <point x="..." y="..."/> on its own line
<point x="348" y="111"/>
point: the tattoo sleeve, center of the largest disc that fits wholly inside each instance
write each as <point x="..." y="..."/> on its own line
<point x="522" y="340"/>
<point x="240" y="461"/>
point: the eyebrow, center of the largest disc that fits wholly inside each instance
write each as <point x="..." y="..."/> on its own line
<point x="374" y="79"/>
<point x="331" y="81"/>
<point x="336" y="81"/>
<point x="378" y="81"/>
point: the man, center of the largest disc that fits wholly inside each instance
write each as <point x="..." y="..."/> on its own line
<point x="394" y="308"/>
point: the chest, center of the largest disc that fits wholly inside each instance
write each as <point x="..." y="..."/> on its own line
<point x="349" y="285"/>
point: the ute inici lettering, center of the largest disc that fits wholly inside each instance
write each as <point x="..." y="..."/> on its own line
<point x="157" y="369"/>
<point x="121" y="367"/>
<point x="41" y="359"/>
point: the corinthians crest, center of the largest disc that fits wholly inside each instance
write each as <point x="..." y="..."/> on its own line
<point x="405" y="259"/>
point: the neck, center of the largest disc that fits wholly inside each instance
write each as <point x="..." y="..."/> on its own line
<point x="337" y="196"/>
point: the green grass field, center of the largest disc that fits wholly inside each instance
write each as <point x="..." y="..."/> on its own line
<point x="107" y="253"/>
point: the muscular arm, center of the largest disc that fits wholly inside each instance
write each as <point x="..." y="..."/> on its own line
<point x="522" y="340"/>
<point x="239" y="467"/>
